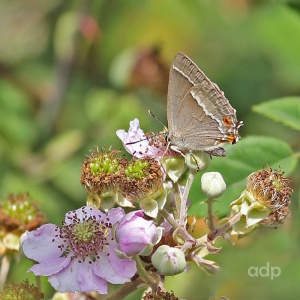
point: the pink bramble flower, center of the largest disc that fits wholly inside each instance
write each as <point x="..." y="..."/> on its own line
<point x="156" y="146"/>
<point x="80" y="255"/>
<point x="135" y="235"/>
<point x="139" y="144"/>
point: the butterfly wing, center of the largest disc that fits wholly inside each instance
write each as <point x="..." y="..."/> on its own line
<point x="199" y="115"/>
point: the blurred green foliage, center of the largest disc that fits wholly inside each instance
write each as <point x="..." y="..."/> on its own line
<point x="73" y="72"/>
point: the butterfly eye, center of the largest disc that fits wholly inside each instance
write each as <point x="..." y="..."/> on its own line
<point x="227" y="121"/>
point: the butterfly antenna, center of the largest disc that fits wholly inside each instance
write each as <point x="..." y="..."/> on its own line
<point x="157" y="119"/>
<point x="154" y="134"/>
<point x="135" y="142"/>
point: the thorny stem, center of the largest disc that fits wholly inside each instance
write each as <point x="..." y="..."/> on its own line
<point x="183" y="209"/>
<point x="5" y="263"/>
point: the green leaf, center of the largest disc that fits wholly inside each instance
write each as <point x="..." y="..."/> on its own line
<point x="284" y="110"/>
<point x="249" y="155"/>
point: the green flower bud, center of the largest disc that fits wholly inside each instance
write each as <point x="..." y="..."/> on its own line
<point x="197" y="161"/>
<point x="212" y="184"/>
<point x="168" y="260"/>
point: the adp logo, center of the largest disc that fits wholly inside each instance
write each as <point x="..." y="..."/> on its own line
<point x="264" y="271"/>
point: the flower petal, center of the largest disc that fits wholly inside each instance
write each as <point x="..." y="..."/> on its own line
<point x="113" y="269"/>
<point x="135" y="142"/>
<point x="42" y="244"/>
<point x="83" y="213"/>
<point x="78" y="277"/>
<point x="134" y="135"/>
<point x="115" y="215"/>
<point x="50" y="267"/>
<point x="90" y="281"/>
<point x="124" y="267"/>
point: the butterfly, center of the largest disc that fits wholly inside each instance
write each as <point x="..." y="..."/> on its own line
<point x="200" y="117"/>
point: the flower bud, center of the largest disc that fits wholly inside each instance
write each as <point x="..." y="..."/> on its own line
<point x="135" y="235"/>
<point x="168" y="260"/>
<point x="212" y="184"/>
<point x="197" y="161"/>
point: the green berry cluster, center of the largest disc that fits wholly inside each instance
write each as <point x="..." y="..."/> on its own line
<point x="104" y="164"/>
<point x="19" y="208"/>
<point x="136" y="169"/>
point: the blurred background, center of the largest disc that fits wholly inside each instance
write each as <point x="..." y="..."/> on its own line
<point x="74" y="72"/>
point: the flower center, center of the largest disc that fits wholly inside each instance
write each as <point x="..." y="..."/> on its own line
<point x="85" y="237"/>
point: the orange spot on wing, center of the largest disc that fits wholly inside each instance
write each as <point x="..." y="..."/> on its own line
<point x="227" y="121"/>
<point x="231" y="139"/>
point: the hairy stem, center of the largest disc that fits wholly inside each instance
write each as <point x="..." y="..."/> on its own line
<point x="183" y="208"/>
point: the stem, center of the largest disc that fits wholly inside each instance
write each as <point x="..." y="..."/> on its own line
<point x="5" y="263"/>
<point x="211" y="224"/>
<point x="190" y="241"/>
<point x="144" y="275"/>
<point x="177" y="196"/>
<point x="183" y="209"/>
<point x="168" y="217"/>
<point x="38" y="282"/>
<point x="221" y="230"/>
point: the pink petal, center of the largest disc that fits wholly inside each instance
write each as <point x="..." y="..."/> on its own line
<point x="136" y="136"/>
<point x="39" y="244"/>
<point x="90" y="281"/>
<point x="83" y="212"/>
<point x="78" y="277"/>
<point x="66" y="280"/>
<point x="106" y="268"/>
<point x="115" y="215"/>
<point x="124" y="267"/>
<point x="50" y="267"/>
<point x="136" y="143"/>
